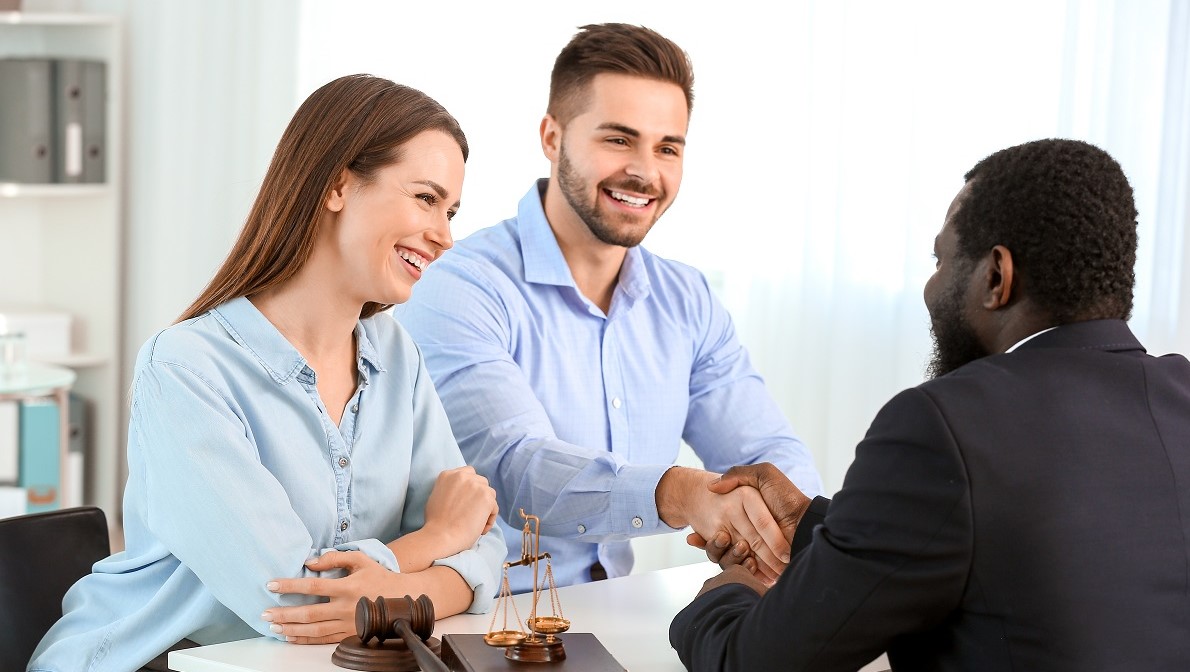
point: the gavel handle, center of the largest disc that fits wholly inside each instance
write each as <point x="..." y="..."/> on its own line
<point x="421" y="653"/>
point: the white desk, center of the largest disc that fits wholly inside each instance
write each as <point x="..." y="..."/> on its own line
<point x="629" y="615"/>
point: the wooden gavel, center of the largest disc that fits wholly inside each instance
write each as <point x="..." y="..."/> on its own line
<point x="406" y="618"/>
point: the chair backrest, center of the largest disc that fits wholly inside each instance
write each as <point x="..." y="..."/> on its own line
<point x="41" y="556"/>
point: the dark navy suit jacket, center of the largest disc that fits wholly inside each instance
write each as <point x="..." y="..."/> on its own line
<point x="1029" y="511"/>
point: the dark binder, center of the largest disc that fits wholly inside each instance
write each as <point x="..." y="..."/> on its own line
<point x="78" y="439"/>
<point x="584" y="653"/>
<point x="80" y="122"/>
<point x="26" y="113"/>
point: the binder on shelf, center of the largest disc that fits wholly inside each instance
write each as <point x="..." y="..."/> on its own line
<point x="26" y="120"/>
<point x="79" y="121"/>
<point x="40" y="459"/>
<point x="10" y="442"/>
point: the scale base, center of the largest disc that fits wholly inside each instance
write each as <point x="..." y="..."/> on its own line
<point x="537" y="650"/>
<point x="391" y="656"/>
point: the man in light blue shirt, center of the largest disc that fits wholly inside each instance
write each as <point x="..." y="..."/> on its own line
<point x="572" y="362"/>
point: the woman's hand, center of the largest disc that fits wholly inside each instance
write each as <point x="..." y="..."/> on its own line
<point x="461" y="508"/>
<point x="330" y="622"/>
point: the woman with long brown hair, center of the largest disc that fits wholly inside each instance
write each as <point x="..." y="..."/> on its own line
<point x="287" y="451"/>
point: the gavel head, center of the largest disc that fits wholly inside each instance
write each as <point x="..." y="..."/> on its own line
<point x="378" y="618"/>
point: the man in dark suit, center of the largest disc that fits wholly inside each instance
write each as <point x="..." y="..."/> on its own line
<point x="1028" y="508"/>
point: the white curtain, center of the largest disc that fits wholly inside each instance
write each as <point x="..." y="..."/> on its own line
<point x="882" y="108"/>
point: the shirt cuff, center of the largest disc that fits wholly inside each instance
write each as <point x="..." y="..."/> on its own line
<point x="634" y="501"/>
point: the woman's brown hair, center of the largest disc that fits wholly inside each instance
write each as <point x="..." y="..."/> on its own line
<point x="357" y="122"/>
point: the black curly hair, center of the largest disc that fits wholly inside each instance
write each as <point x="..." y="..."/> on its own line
<point x="1065" y="211"/>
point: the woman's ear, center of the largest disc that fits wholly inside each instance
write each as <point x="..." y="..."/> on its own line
<point x="335" y="200"/>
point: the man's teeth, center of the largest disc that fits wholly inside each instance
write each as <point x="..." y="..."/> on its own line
<point x="413" y="259"/>
<point x="630" y="200"/>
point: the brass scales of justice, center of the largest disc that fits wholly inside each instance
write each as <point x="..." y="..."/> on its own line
<point x="541" y="644"/>
<point x="402" y="629"/>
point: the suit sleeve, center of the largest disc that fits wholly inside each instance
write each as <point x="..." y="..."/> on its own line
<point x="891" y="557"/>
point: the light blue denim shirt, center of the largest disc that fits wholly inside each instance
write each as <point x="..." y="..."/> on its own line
<point x="575" y="415"/>
<point x="238" y="476"/>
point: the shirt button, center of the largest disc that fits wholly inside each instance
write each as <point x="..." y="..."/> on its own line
<point x="343" y="526"/>
<point x="637" y="522"/>
<point x="355" y="408"/>
<point x="342" y="461"/>
<point x="582" y="529"/>
<point x="616" y="403"/>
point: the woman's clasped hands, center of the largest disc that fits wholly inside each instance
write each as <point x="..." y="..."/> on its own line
<point x="461" y="508"/>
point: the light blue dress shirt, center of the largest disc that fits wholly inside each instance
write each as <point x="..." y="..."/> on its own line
<point x="238" y="476"/>
<point x="574" y="415"/>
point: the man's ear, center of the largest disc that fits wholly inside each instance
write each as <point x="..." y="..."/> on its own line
<point x="998" y="278"/>
<point x="335" y="200"/>
<point x="551" y="138"/>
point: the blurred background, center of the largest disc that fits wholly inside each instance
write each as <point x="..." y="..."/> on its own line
<point x="826" y="142"/>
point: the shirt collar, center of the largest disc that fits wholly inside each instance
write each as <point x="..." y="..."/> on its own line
<point x="366" y="353"/>
<point x="1111" y="335"/>
<point x="1028" y="338"/>
<point x="253" y="331"/>
<point x="543" y="259"/>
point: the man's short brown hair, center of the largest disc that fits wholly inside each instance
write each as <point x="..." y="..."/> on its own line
<point x="615" y="48"/>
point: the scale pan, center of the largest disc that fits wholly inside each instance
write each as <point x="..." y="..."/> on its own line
<point x="504" y="638"/>
<point x="549" y="625"/>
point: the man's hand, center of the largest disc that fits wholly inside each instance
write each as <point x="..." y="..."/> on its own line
<point x="684" y="498"/>
<point x="734" y="574"/>
<point x="726" y="552"/>
<point x="784" y="500"/>
<point x="330" y="622"/>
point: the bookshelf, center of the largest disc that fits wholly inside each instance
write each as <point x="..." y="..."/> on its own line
<point x="61" y="245"/>
<point x="40" y="381"/>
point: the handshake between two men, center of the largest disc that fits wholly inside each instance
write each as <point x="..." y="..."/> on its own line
<point x="747" y="517"/>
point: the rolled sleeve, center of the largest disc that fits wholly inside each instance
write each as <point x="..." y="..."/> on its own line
<point x="374" y="549"/>
<point x="480" y="568"/>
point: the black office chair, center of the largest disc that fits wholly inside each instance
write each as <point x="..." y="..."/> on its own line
<point x="41" y="556"/>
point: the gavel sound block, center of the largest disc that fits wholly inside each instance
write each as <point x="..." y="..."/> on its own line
<point x="401" y="628"/>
